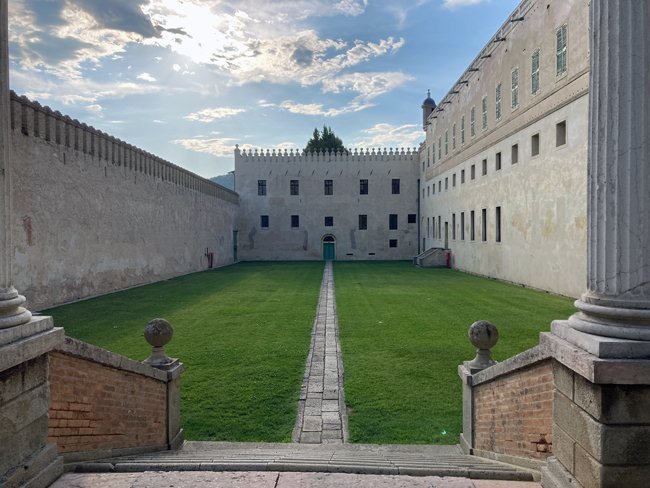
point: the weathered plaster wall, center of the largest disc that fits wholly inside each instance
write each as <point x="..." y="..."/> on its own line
<point x="282" y="242"/>
<point x="93" y="214"/>
<point x="542" y="197"/>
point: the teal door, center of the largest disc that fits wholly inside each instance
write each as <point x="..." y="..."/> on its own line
<point x="329" y="251"/>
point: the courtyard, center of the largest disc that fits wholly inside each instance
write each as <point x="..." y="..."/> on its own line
<point x="244" y="334"/>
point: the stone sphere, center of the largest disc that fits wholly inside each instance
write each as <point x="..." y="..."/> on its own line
<point x="483" y="335"/>
<point x="158" y="332"/>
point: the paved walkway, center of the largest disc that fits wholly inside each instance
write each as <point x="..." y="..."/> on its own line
<point x="321" y="412"/>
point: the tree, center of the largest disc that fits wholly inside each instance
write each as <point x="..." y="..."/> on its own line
<point x="325" y="141"/>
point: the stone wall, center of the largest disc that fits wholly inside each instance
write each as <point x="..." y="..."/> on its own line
<point x="93" y="214"/>
<point x="514" y="413"/>
<point x="101" y="401"/>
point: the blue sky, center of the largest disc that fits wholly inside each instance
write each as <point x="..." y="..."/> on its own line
<point x="189" y="79"/>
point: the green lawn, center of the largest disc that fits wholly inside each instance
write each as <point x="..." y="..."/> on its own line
<point x="403" y="334"/>
<point x="243" y="333"/>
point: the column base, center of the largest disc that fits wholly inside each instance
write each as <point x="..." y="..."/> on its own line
<point x="609" y="318"/>
<point x="598" y="345"/>
<point x="11" y="312"/>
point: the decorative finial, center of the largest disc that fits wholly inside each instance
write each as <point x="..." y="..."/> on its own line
<point x="483" y="335"/>
<point x="428" y="93"/>
<point x="158" y="333"/>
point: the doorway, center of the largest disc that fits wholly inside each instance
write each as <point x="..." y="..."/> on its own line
<point x="329" y="248"/>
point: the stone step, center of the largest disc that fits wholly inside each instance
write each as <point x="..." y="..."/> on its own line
<point x="340" y="458"/>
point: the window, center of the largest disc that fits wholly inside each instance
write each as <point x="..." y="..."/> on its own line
<point x="560" y="51"/>
<point x="295" y="221"/>
<point x="453" y="226"/>
<point x="439" y="186"/>
<point x="473" y="171"/>
<point x="484" y="109"/>
<point x="514" y="154"/>
<point x="497" y="102"/>
<point x="462" y="176"/>
<point x="497" y="224"/>
<point x="462" y="129"/>
<point x="453" y="179"/>
<point x="329" y="187"/>
<point x="294" y="187"/>
<point x="439" y="148"/>
<point x="264" y="221"/>
<point x="497" y="161"/>
<point x="434" y="228"/>
<point x="261" y="187"/>
<point x="446" y="183"/>
<point x="428" y="226"/>
<point x="534" y="145"/>
<point x="428" y="191"/>
<point x="363" y="187"/>
<point x="453" y="136"/>
<point x="412" y="218"/>
<point x="392" y="221"/>
<point x="472" y="121"/>
<point x="395" y="186"/>
<point x="560" y="133"/>
<point x="439" y="227"/>
<point x="514" y="101"/>
<point x="433" y="153"/>
<point x="433" y="189"/>
<point x="446" y="142"/>
<point x="534" y="72"/>
<point x="428" y="156"/>
<point x="472" y="234"/>
<point x="392" y="243"/>
<point x="423" y="192"/>
<point x="363" y="222"/>
<point x="329" y="221"/>
<point x="462" y="226"/>
<point x="484" y="224"/>
<point x="484" y="167"/>
<point x="422" y="166"/>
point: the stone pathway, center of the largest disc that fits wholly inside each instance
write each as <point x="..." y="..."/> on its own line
<point x="321" y="412"/>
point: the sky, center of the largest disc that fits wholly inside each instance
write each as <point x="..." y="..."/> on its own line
<point x="188" y="79"/>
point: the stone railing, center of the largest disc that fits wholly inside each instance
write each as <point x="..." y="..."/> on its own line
<point x="507" y="406"/>
<point x="104" y="404"/>
<point x="32" y="119"/>
<point x="349" y="156"/>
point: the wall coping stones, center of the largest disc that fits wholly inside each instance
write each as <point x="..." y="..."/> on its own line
<point x="30" y="347"/>
<point x="520" y="361"/>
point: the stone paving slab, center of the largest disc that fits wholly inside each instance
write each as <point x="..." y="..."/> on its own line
<point x="270" y="480"/>
<point x="322" y="405"/>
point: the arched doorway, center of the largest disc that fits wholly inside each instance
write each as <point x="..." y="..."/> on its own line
<point x="329" y="248"/>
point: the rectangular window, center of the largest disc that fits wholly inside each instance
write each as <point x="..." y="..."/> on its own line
<point x="439" y="186"/>
<point x="392" y="243"/>
<point x="514" y="101"/>
<point x="363" y="222"/>
<point x="453" y="136"/>
<point x="363" y="187"/>
<point x="472" y="234"/>
<point x="295" y="221"/>
<point x="433" y="231"/>
<point x="462" y="129"/>
<point x="439" y="148"/>
<point x="294" y="187"/>
<point x="514" y="154"/>
<point x="412" y="219"/>
<point x="439" y="227"/>
<point x="446" y="142"/>
<point x="484" y="224"/>
<point x="484" y="167"/>
<point x="329" y="187"/>
<point x="428" y="226"/>
<point x="428" y="156"/>
<point x="446" y="183"/>
<point x="423" y="193"/>
<point x="462" y="176"/>
<point x="433" y="189"/>
<point x="560" y="50"/>
<point x="497" y="102"/>
<point x="462" y="226"/>
<point x="453" y="226"/>
<point x="472" y="121"/>
<point x="453" y="179"/>
<point x="473" y="172"/>
<point x="261" y="187"/>
<point x="264" y="221"/>
<point x="433" y="153"/>
<point x="392" y="221"/>
<point x="329" y="221"/>
<point x="534" y="145"/>
<point x="428" y="191"/>
<point x="484" y="113"/>
<point x="534" y="72"/>
<point x="497" y="161"/>
<point x="395" y="186"/>
<point x="497" y="224"/>
<point x="560" y="133"/>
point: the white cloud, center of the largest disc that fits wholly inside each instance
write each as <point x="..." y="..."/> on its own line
<point x="387" y="135"/>
<point x="318" y="108"/>
<point x="95" y="109"/>
<point x="265" y="104"/>
<point x="368" y="85"/>
<point x="452" y="4"/>
<point x="212" y="114"/>
<point x="176" y="67"/>
<point x="223" y="147"/>
<point x="146" y="77"/>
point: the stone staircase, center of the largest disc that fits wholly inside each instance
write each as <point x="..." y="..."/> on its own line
<point x="412" y="460"/>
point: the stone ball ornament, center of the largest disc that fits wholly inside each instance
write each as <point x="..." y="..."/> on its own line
<point x="483" y="335"/>
<point x="158" y="333"/>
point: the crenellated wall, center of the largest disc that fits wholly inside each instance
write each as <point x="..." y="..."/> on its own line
<point x="93" y="214"/>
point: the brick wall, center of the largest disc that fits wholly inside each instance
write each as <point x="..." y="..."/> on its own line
<point x="514" y="413"/>
<point x="95" y="406"/>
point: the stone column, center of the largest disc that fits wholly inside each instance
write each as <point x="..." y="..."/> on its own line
<point x="601" y="407"/>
